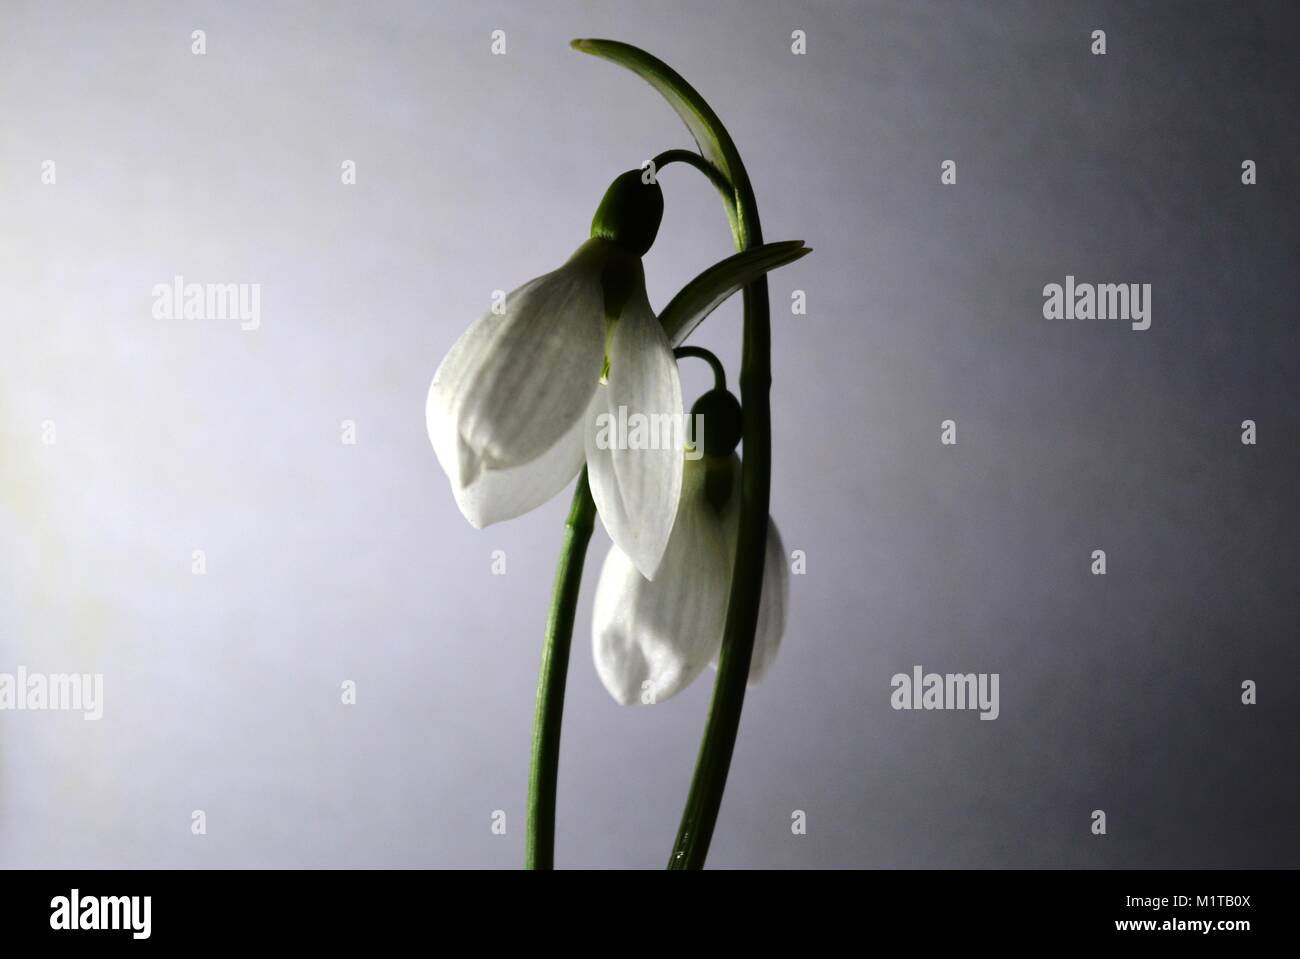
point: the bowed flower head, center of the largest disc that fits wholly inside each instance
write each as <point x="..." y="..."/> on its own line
<point x="512" y="409"/>
<point x="651" y="639"/>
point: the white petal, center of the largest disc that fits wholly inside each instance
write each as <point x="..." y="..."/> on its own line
<point x="506" y="407"/>
<point x="494" y="495"/>
<point x="651" y="639"/>
<point x="637" y="489"/>
<point x="515" y="383"/>
<point x="772" y="605"/>
<point x="775" y="597"/>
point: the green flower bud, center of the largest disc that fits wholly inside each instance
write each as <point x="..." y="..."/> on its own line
<point x="630" y="213"/>
<point x="722" y="422"/>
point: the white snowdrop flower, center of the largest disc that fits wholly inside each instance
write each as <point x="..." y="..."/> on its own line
<point x="651" y="639"/>
<point x="512" y="407"/>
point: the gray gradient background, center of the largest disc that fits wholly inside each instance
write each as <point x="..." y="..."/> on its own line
<point x="328" y="562"/>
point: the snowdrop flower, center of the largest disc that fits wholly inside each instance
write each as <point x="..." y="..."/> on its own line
<point x="651" y="639"/>
<point x="511" y="410"/>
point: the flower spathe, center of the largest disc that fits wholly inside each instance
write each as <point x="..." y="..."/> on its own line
<point x="651" y="639"/>
<point x="512" y="408"/>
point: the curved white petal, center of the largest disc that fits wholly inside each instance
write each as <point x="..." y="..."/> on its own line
<point x="651" y="639"/>
<point x="775" y="596"/>
<point x="517" y="381"/>
<point x="494" y="495"/>
<point x="634" y="456"/>
<point x="506" y="406"/>
<point x="772" y="605"/>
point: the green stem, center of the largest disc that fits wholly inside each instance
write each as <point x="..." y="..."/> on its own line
<point x="719" y="742"/>
<point x="691" y="158"/>
<point x="539" y="844"/>
<point x="721" y="162"/>
<point x="700" y="353"/>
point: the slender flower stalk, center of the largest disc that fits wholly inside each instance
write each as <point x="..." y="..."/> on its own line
<point x="700" y="353"/>
<point x="539" y="843"/>
<point x="719" y="153"/>
<point x="716" y="748"/>
<point x="691" y="158"/>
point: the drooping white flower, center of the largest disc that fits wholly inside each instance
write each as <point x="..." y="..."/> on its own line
<point x="651" y="639"/>
<point x="636" y="490"/>
<point x="512" y="409"/>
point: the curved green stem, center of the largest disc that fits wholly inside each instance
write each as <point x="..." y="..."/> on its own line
<point x="700" y="353"/>
<point x="691" y="158"/>
<point x="719" y="742"/>
<point x="539" y="844"/>
<point x="718" y="149"/>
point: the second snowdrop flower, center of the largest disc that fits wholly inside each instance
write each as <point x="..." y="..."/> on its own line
<point x="651" y="639"/>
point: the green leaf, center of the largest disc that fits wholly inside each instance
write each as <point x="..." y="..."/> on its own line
<point x="710" y="135"/>
<point x="706" y="292"/>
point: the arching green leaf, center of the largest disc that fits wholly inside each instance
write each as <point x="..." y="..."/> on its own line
<point x="706" y="292"/>
<point x="710" y="135"/>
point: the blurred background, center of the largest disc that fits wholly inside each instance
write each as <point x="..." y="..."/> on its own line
<point x="328" y="562"/>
